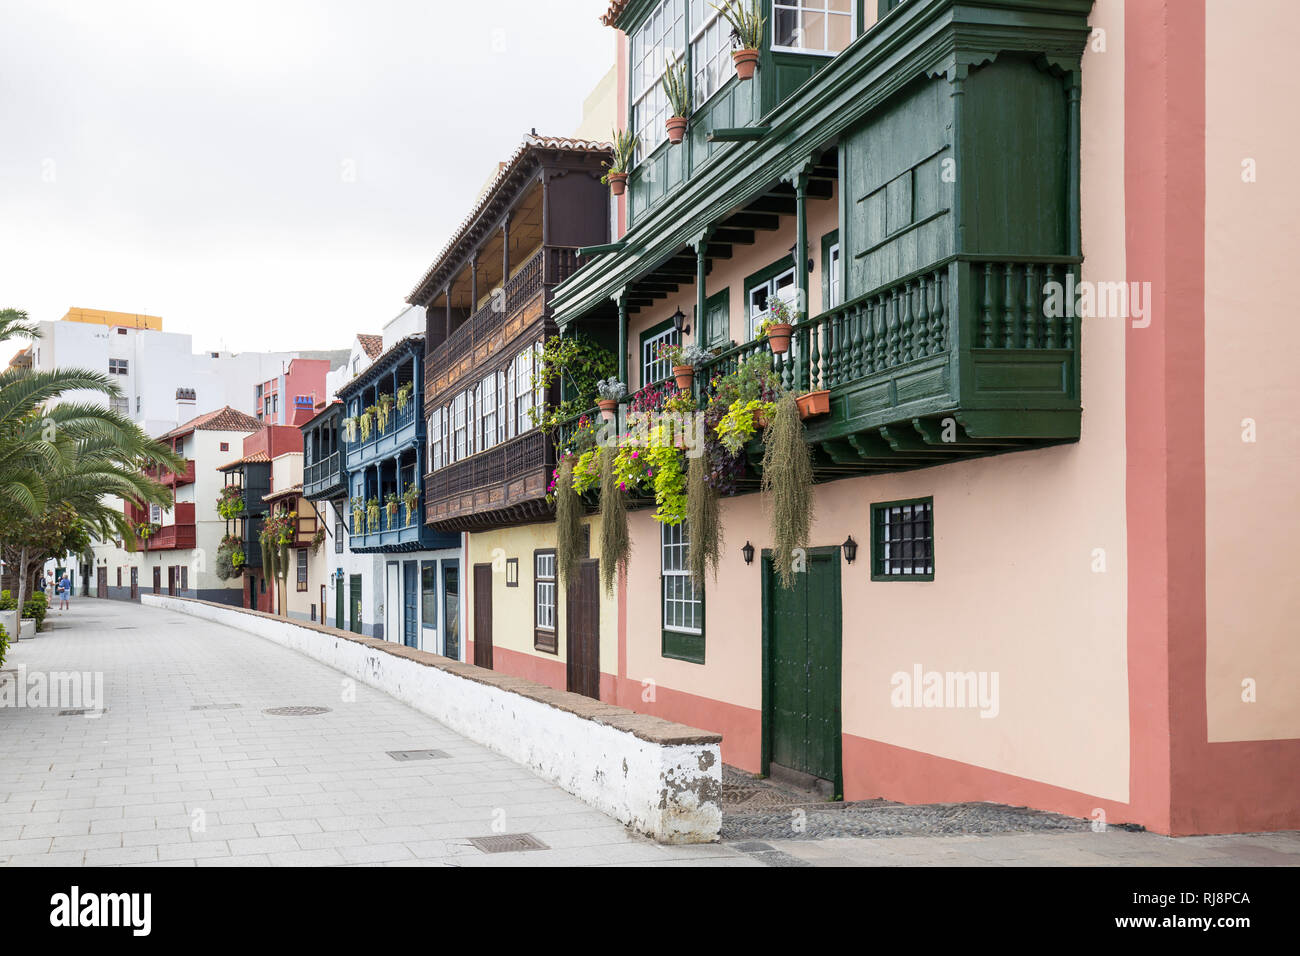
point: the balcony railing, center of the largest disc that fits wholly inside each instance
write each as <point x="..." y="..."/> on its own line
<point x="173" y="537"/>
<point x="324" y="475"/>
<point x="381" y="440"/>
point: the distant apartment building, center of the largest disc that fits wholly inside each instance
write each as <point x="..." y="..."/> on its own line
<point x="290" y="397"/>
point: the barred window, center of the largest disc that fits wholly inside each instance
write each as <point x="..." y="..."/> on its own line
<point x="902" y="543"/>
<point x="683" y="605"/>
<point x="544" y="592"/>
<point x="302" y="569"/>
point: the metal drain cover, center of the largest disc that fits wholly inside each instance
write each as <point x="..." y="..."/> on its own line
<point x="215" y="706"/>
<point x="418" y="754"/>
<point x="296" y="711"/>
<point x="508" y="843"/>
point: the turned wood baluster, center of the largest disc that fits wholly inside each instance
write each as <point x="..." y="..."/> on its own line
<point x="938" y="331"/>
<point x="1031" y="319"/>
<point x="1068" y="320"/>
<point x="882" y="332"/>
<point x="855" y="349"/>
<point x="814" y="356"/>
<point x="986" y="312"/>
<point x="1049" y="320"/>
<point x="894" y="332"/>
<point x="1008" y="309"/>
<point x="923" y="320"/>
<point x="907" y="326"/>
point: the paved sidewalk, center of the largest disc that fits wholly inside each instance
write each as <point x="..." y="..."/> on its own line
<point x="154" y="781"/>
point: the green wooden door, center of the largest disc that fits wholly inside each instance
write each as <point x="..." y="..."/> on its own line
<point x="338" y="603"/>
<point x="803" y="667"/>
<point x="354" y="595"/>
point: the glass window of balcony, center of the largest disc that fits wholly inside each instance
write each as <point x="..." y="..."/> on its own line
<point x="653" y="368"/>
<point x="812" y="26"/>
<point x="488" y="410"/>
<point x="711" y="62"/>
<point x="435" y="439"/>
<point x="761" y="295"/>
<point x="662" y="35"/>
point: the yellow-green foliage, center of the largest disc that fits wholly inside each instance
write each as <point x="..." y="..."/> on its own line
<point x="737" y="427"/>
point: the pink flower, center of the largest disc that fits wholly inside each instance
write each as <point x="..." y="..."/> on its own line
<point x="633" y="454"/>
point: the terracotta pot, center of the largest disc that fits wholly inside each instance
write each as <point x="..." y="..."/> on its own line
<point x="617" y="183"/>
<point x="685" y="375"/>
<point x="746" y="63"/>
<point x="779" y="336"/>
<point x="608" y="409"/>
<point x="676" y="128"/>
<point x="760" y="418"/>
<point x="814" y="403"/>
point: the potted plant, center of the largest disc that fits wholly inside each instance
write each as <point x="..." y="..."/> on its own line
<point x="677" y="88"/>
<point x="383" y="411"/>
<point x="746" y="35"/>
<point x="404" y="393"/>
<point x="683" y="372"/>
<point x="815" y="403"/>
<point x="610" y="391"/>
<point x="350" y="428"/>
<point x="372" y="515"/>
<point x="411" y="497"/>
<point x="358" y="515"/>
<point x="393" y="505"/>
<point x="317" y="540"/>
<point x="625" y="143"/>
<point x="779" y="325"/>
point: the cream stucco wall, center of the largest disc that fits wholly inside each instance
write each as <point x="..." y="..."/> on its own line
<point x="1252" y="230"/>
<point x="513" y="609"/>
<point x="1031" y="576"/>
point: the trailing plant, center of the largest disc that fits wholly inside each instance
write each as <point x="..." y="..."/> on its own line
<point x="367" y="422"/>
<point x="568" y="523"/>
<point x="350" y="428"/>
<point x="358" y="514"/>
<point x="230" y="504"/>
<point x="746" y="24"/>
<point x="615" y="542"/>
<point x="611" y="389"/>
<point x="277" y="538"/>
<point x="383" y="412"/>
<point x="625" y="144"/>
<point x="372" y="515"/>
<point x="411" y="497"/>
<point x="702" y="518"/>
<point x="393" y="505"/>
<point x="228" y="564"/>
<point x="677" y="86"/>
<point x="787" y="482"/>
<point x="317" y="540"/>
<point x="725" y="467"/>
<point x="404" y="393"/>
<point x="579" y="364"/>
<point x="738" y="425"/>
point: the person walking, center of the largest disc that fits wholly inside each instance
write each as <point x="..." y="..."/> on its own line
<point x="65" y="591"/>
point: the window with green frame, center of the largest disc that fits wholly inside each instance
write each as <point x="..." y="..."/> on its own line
<point x="681" y="600"/>
<point x="655" y="369"/>
<point x="832" y="271"/>
<point x="773" y="280"/>
<point x="902" y="540"/>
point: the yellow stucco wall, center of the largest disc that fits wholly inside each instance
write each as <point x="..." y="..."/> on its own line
<point x="103" y="317"/>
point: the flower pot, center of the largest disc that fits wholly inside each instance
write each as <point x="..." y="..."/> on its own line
<point x="779" y="337"/>
<point x="760" y="418"/>
<point x="617" y="183"/>
<point x="814" y="403"/>
<point x="685" y="375"/>
<point x="608" y="409"/>
<point x="676" y="128"/>
<point x="746" y="63"/>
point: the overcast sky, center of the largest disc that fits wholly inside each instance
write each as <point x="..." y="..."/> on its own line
<point x="265" y="174"/>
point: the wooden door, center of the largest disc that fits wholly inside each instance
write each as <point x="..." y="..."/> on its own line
<point x="101" y="582"/>
<point x="582" y="631"/>
<point x="411" y="604"/>
<point x="354" y="607"/>
<point x="157" y="580"/>
<point x="802" y="679"/>
<point x="135" y="583"/>
<point x="483" y="615"/>
<point x="338" y="603"/>
<point x="171" y="581"/>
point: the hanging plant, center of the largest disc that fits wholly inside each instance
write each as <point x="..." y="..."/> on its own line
<point x="411" y="497"/>
<point x="358" y="514"/>
<point x="404" y="393"/>
<point x="702" y="518"/>
<point x="741" y="422"/>
<point x="383" y="412"/>
<point x="579" y="363"/>
<point x="568" y="523"/>
<point x="350" y="428"/>
<point x="615" y="542"/>
<point x="230" y="504"/>
<point x="787" y="482"/>
<point x="372" y="515"/>
<point x="317" y="540"/>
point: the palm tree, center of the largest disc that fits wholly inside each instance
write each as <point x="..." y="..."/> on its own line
<point x="63" y="463"/>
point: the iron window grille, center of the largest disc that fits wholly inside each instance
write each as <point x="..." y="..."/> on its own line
<point x="902" y="540"/>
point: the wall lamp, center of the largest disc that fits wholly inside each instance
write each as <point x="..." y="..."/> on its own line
<point x="850" y="550"/>
<point x="748" y="552"/>
<point x="811" y="264"/>
<point x="679" y="323"/>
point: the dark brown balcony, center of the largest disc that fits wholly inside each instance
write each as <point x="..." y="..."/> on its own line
<point x="501" y="486"/>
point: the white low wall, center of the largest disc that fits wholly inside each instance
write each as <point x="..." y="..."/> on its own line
<point x="661" y="779"/>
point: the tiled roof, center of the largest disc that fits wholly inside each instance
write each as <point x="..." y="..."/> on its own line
<point x="373" y="344"/>
<point x="284" y="492"/>
<point x="378" y="367"/>
<point x="255" y="457"/>
<point x="222" y="420"/>
<point x="531" y="142"/>
<point x="615" y="11"/>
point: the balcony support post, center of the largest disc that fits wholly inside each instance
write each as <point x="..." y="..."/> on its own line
<point x="621" y="298"/>
<point x="798" y="177"/>
<point x="505" y="251"/>
<point x="473" y="282"/>
<point x="1073" y="238"/>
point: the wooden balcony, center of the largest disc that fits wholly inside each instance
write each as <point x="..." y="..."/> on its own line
<point x="170" y="479"/>
<point x="325" y="479"/>
<point x="400" y="431"/>
<point x="180" y="535"/>
<point x="503" y="485"/>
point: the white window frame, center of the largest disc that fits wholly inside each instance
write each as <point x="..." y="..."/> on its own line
<point x="648" y="361"/>
<point x="836" y="278"/>
<point x="771" y="287"/>
<point x="681" y="601"/>
<point x="713" y="28"/>
<point x="488" y="410"/>
<point x="544" y="591"/>
<point x="822" y="7"/>
<point x="458" y="427"/>
<point x="435" y="440"/>
<point x="666" y="24"/>
<point x="118" y="366"/>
